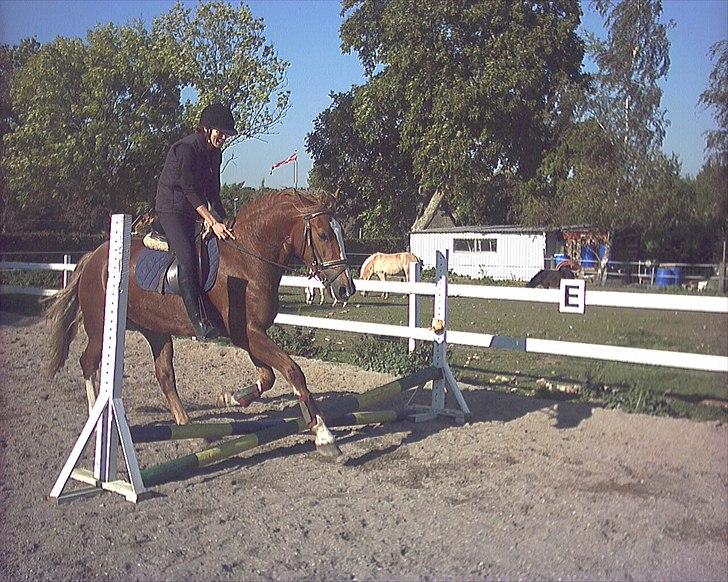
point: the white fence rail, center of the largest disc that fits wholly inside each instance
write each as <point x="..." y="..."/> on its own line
<point x="683" y="360"/>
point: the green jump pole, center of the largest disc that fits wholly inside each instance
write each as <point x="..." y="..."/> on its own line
<point x="157" y="433"/>
<point x="369" y="417"/>
<point x="199" y="430"/>
<point x="189" y="463"/>
<point x="386" y="392"/>
<point x="210" y="430"/>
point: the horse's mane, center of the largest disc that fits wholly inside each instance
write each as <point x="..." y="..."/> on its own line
<point x="303" y="201"/>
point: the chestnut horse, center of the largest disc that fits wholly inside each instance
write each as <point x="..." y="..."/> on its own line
<point x="269" y="232"/>
<point x="382" y="264"/>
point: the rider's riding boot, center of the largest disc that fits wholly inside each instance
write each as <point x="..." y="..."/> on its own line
<point x="190" y="292"/>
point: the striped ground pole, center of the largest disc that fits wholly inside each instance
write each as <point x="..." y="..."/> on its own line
<point x="189" y="463"/>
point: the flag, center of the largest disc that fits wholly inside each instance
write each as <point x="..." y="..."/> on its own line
<point x="292" y="158"/>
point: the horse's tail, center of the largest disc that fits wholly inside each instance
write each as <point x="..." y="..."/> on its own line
<point x="63" y="317"/>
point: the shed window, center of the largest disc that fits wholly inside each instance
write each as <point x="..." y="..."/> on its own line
<point x="475" y="245"/>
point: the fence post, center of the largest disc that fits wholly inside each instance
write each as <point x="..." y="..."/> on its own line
<point x="414" y="302"/>
<point x="722" y="273"/>
<point x="66" y="261"/>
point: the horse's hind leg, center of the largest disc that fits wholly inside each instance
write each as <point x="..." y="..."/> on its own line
<point x="90" y="359"/>
<point x="163" y="352"/>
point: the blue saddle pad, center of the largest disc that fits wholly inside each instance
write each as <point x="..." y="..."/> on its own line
<point x="152" y="266"/>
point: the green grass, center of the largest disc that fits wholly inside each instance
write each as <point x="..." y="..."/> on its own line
<point x="613" y="383"/>
<point x="518" y="371"/>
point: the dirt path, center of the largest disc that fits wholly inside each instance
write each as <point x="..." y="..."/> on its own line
<point x="528" y="489"/>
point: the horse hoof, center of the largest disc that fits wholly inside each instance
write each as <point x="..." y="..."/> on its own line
<point x="330" y="450"/>
<point x="227" y="399"/>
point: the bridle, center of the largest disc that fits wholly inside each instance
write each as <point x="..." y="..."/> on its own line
<point x="318" y="266"/>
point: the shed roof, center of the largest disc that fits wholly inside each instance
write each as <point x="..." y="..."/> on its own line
<point x="502" y="228"/>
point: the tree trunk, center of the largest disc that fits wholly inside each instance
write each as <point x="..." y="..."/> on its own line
<point x="429" y="212"/>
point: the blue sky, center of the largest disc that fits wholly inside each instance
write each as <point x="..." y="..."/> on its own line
<point x="306" y="33"/>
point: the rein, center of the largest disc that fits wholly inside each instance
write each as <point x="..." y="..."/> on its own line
<point x="247" y="251"/>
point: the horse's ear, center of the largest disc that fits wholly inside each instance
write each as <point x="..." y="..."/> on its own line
<point x="335" y="195"/>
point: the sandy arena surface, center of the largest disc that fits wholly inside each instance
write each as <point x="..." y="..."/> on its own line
<point x="529" y="489"/>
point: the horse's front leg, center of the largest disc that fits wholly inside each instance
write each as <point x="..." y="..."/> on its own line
<point x="246" y="396"/>
<point x="383" y="277"/>
<point x="262" y="348"/>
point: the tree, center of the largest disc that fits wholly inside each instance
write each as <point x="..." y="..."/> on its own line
<point x="234" y="196"/>
<point x="715" y="97"/>
<point x="95" y="117"/>
<point x="94" y="120"/>
<point x="605" y="163"/>
<point x="473" y="88"/>
<point x="626" y="97"/>
<point x="378" y="186"/>
<point x="220" y="52"/>
<point x="12" y="58"/>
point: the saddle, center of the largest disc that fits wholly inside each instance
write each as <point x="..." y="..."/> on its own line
<point x="156" y="268"/>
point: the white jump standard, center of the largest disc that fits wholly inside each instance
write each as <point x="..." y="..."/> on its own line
<point x="107" y="415"/>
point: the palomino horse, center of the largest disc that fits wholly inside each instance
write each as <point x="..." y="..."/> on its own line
<point x="381" y="265"/>
<point x="269" y="232"/>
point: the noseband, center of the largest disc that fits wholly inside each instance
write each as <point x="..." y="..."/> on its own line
<point x="319" y="266"/>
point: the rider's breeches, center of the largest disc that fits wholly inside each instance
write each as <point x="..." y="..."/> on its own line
<point x="180" y="232"/>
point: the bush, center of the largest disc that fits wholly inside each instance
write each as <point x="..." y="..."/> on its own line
<point x="637" y="400"/>
<point x="369" y="246"/>
<point x="298" y="342"/>
<point x="628" y="398"/>
<point x="390" y="355"/>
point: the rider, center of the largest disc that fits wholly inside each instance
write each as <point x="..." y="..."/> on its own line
<point x="189" y="191"/>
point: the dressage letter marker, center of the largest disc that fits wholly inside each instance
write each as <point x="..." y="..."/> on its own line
<point x="573" y="294"/>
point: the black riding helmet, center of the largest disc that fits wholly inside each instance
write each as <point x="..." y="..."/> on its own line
<point x="217" y="116"/>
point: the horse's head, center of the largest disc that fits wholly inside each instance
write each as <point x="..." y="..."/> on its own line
<point x="323" y="249"/>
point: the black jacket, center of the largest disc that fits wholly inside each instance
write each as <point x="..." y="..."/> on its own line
<point x="190" y="178"/>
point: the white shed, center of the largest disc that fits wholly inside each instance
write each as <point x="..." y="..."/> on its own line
<point x="499" y="252"/>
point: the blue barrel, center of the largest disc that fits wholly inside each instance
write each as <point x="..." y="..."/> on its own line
<point x="589" y="257"/>
<point x="664" y="277"/>
<point x="559" y="258"/>
<point x="677" y="275"/>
